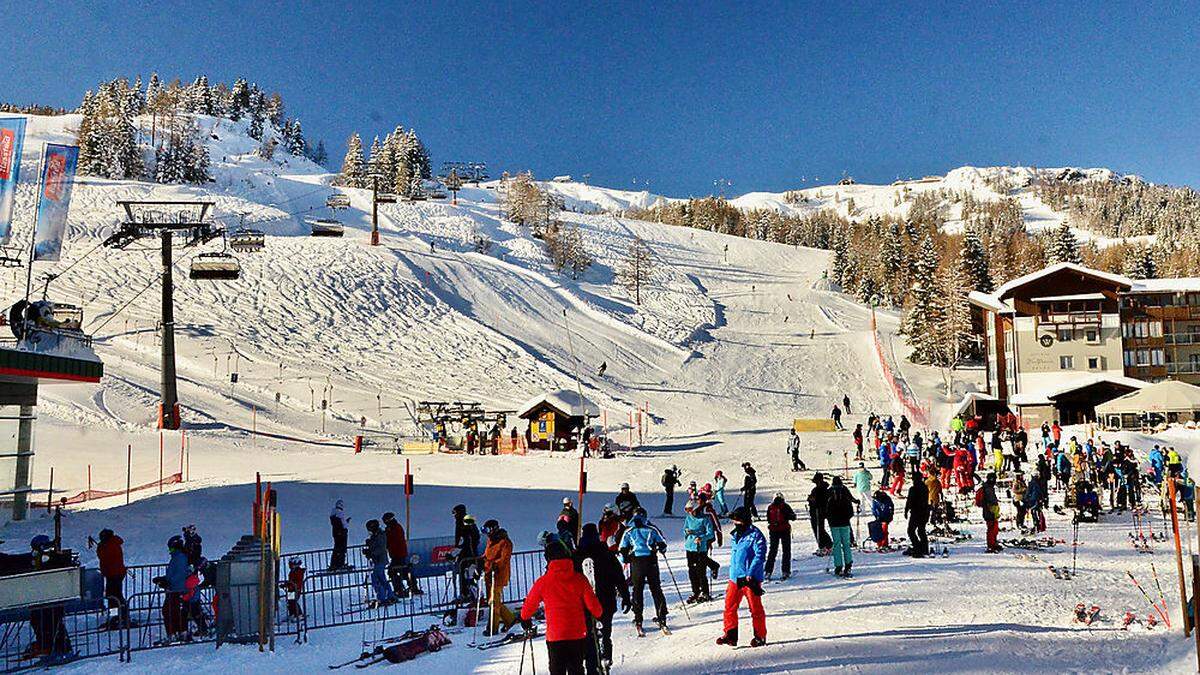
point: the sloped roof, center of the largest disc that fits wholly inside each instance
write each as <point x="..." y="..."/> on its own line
<point x="1069" y="384"/>
<point x="564" y="401"/>
<point x="1058" y="267"/>
<point x="1160" y="397"/>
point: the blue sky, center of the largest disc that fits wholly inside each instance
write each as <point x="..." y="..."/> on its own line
<point x="768" y="96"/>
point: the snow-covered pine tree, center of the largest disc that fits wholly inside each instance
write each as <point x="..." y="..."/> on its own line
<point x="418" y="156"/>
<point x="255" y="130"/>
<point x="295" y="139"/>
<point x="840" y="261"/>
<point x="354" y="165"/>
<point x="895" y="266"/>
<point x="974" y="261"/>
<point x="403" y="180"/>
<point x="200" y="96"/>
<point x="318" y="154"/>
<point x="136" y="98"/>
<point x="153" y="89"/>
<point x="275" y="111"/>
<point x="89" y="138"/>
<point x="1064" y="247"/>
<point x="239" y="100"/>
<point x="373" y="160"/>
<point x="1140" y="263"/>
<point x="921" y="320"/>
<point x="952" y="332"/>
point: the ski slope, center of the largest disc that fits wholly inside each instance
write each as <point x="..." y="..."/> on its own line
<point x="733" y="340"/>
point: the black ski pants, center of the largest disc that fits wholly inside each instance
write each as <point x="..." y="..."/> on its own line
<point x="697" y="562"/>
<point x="916" y="533"/>
<point x="643" y="571"/>
<point x="784" y="539"/>
<point x="566" y="656"/>
<point x="603" y="626"/>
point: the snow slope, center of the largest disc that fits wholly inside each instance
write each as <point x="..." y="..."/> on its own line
<point x="726" y="349"/>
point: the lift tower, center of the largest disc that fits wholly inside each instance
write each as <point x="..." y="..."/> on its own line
<point x="166" y="220"/>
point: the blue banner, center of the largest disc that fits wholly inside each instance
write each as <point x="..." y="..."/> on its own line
<point x="12" y="137"/>
<point x="54" y="200"/>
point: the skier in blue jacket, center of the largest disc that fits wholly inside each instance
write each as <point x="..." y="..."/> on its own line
<point x="747" y="568"/>
<point x="699" y="533"/>
<point x="640" y="546"/>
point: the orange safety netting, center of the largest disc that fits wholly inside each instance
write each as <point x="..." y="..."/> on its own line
<point x="89" y="495"/>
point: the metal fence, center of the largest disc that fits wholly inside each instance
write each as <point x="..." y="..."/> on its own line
<point x="330" y="598"/>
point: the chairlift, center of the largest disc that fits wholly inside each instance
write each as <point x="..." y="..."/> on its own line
<point x="327" y="227"/>
<point x="215" y="265"/>
<point x="10" y="261"/>
<point x="247" y="241"/>
<point x="437" y="194"/>
<point x="338" y="200"/>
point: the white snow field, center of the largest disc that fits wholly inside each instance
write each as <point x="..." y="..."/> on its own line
<point x="724" y="352"/>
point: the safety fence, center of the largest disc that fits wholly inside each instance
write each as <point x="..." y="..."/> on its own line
<point x="919" y="413"/>
<point x="150" y="619"/>
<point x="90" y="494"/>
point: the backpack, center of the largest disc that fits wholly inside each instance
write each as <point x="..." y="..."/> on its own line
<point x="979" y="497"/>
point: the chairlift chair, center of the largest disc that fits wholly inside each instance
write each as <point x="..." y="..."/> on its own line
<point x="247" y="241"/>
<point x="215" y="265"/>
<point x="10" y="261"/>
<point x="338" y="200"/>
<point x="326" y="227"/>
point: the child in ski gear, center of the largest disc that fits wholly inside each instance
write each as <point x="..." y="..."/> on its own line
<point x="840" y="507"/>
<point x="192" y="546"/>
<point x="862" y="481"/>
<point x="340" y="523"/>
<point x="699" y="533"/>
<point x="747" y="560"/>
<point x="466" y="542"/>
<point x="719" y="493"/>
<point x="883" y="509"/>
<point x="749" y="488"/>
<point x="779" y="524"/>
<point x="988" y="501"/>
<point x="568" y="598"/>
<point x="670" y="479"/>
<point x="641" y="545"/>
<point x="376" y="552"/>
<point x="497" y="569"/>
<point x="817" y="499"/>
<point x="293" y="587"/>
<point x="609" y="583"/>
<point x="609" y="525"/>
<point x="174" y="582"/>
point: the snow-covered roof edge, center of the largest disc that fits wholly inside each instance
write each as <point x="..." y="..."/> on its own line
<point x="1043" y="396"/>
<point x="1058" y="267"/>
<point x="564" y="400"/>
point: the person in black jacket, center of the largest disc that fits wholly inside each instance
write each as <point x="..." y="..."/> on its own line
<point x="840" y="507"/>
<point x="817" y="499"/>
<point x="670" y="480"/>
<point x="339" y="523"/>
<point x="466" y="541"/>
<point x="916" y="509"/>
<point x="749" y="488"/>
<point x="609" y="583"/>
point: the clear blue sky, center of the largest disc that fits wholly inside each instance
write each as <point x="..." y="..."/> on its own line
<point x="678" y="94"/>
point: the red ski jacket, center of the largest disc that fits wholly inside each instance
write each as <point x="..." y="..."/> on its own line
<point x="565" y="593"/>
<point x="112" y="557"/>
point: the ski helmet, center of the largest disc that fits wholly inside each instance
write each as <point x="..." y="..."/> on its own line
<point x="372" y="525"/>
<point x="106" y="534"/>
<point x="608" y="508"/>
<point x="293" y="562"/>
<point x="490" y="524"/>
<point x="39" y="542"/>
<point x="175" y="543"/>
<point x="389" y="517"/>
<point x="459" y="509"/>
<point x="624" y="486"/>
<point x="566" y="501"/>
<point x="779" y="496"/>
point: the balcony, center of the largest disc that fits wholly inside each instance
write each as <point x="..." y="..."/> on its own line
<point x="1182" y="338"/>
<point x="1183" y="368"/>
<point x="1069" y="318"/>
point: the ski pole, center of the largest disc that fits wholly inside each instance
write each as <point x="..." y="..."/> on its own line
<point x="676" y="584"/>
<point x="524" y="644"/>
<point x="478" y="609"/>
<point x="1161" y="596"/>
<point x="1147" y="596"/>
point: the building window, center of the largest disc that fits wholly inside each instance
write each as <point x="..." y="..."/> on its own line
<point x="1156" y="357"/>
<point x="1066" y="362"/>
<point x="1143" y="357"/>
<point x="1093" y="363"/>
<point x="1092" y="336"/>
<point x="1129" y="358"/>
<point x="1064" y="334"/>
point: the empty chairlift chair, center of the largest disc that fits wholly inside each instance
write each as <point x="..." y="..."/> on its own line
<point x="326" y="227"/>
<point x="247" y="241"/>
<point x="338" y="200"/>
<point x="220" y="266"/>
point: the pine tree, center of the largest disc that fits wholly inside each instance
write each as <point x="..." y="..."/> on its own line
<point x="295" y="139"/>
<point x="1140" y="263"/>
<point x="895" y="266"/>
<point x="354" y="166"/>
<point x="921" y="321"/>
<point x="374" y="159"/>
<point x="153" y="89"/>
<point x="137" y="99"/>
<point x="318" y="155"/>
<point x="274" y="110"/>
<point x="256" y="126"/>
<point x="839" y="266"/>
<point x="952" y="333"/>
<point x="1064" y="247"/>
<point x="974" y="261"/>
<point x="402" y="181"/>
<point x="239" y="100"/>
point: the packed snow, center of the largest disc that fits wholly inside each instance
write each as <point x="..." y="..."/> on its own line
<point x="733" y="340"/>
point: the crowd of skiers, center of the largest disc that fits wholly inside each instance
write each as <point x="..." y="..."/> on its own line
<point x="187" y="572"/>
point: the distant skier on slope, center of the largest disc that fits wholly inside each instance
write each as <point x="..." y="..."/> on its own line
<point x="339" y="522"/>
<point x="603" y="367"/>
<point x="749" y="488"/>
<point x="846" y="403"/>
<point x="670" y="479"/>
<point x="836" y="415"/>
<point x="746" y="572"/>
<point x="794" y="451"/>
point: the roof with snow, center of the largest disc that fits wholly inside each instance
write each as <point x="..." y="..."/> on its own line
<point x="1068" y="384"/>
<point x="565" y="401"/>
<point x="1166" y="285"/>
<point x="1014" y="284"/>
<point x="1170" y="395"/>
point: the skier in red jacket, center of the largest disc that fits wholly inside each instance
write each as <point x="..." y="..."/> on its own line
<point x="111" y="553"/>
<point x="566" y="593"/>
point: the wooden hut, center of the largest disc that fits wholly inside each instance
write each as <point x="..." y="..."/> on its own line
<point x="556" y="419"/>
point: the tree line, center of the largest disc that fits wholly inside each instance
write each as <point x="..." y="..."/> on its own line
<point x="401" y="162"/>
<point x="115" y="143"/>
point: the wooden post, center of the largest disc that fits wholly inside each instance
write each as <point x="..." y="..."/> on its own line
<point x="128" y="471"/>
<point x="254" y="426"/>
<point x="89" y="488"/>
<point x="160" y="461"/>
<point x="1178" y="553"/>
<point x="407" y="497"/>
<point x="1195" y="601"/>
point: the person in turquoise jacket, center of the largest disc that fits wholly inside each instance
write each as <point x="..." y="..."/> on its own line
<point x="698" y="536"/>
<point x="719" y="481"/>
<point x="747" y="568"/>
